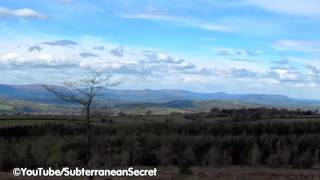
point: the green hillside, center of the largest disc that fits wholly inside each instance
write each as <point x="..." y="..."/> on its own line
<point x="5" y="106"/>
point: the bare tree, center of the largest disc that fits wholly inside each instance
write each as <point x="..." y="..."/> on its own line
<point x="84" y="92"/>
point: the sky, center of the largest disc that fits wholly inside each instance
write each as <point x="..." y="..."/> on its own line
<point x="232" y="46"/>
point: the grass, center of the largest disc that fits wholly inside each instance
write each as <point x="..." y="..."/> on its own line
<point x="12" y="123"/>
<point x="5" y="107"/>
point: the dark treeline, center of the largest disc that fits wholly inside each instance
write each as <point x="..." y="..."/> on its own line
<point x="251" y="114"/>
<point x="169" y="127"/>
<point x="271" y="144"/>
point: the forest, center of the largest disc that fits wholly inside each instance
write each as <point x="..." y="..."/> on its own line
<point x="245" y="137"/>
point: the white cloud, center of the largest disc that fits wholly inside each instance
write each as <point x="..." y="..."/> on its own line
<point x="194" y="79"/>
<point x="284" y="74"/>
<point x="62" y="42"/>
<point x="242" y="73"/>
<point x="87" y="54"/>
<point x="24" y="13"/>
<point x="313" y="70"/>
<point x="297" y="45"/>
<point x="159" y="17"/>
<point x="118" y="51"/>
<point x="99" y="48"/>
<point x="16" y="60"/>
<point x="309" y="8"/>
<point x="235" y="52"/>
<point x="35" y="48"/>
<point x="114" y="59"/>
<point x="182" y="21"/>
<point x="154" y="65"/>
<point x="65" y="1"/>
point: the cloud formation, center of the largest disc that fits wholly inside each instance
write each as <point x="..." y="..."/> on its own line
<point x="141" y="63"/>
<point x="242" y="73"/>
<point x="309" y="8"/>
<point x="61" y="43"/>
<point x="65" y="1"/>
<point x="101" y="48"/>
<point x="283" y="74"/>
<point x="236" y="52"/>
<point x="35" y="48"/>
<point x="118" y="51"/>
<point x="22" y="13"/>
<point x="17" y="61"/>
<point x="297" y="45"/>
<point x="283" y="61"/>
<point x="87" y="55"/>
<point x="182" y="21"/>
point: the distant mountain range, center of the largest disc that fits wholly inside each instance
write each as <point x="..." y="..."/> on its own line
<point x="163" y="98"/>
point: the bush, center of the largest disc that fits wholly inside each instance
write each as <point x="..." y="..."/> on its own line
<point x="186" y="161"/>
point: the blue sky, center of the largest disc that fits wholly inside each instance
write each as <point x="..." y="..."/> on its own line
<point x="235" y="46"/>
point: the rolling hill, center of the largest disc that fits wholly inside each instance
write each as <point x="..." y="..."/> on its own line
<point x="165" y="98"/>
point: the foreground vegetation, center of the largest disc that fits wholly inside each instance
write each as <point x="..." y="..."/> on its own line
<point x="191" y="143"/>
<point x="209" y="173"/>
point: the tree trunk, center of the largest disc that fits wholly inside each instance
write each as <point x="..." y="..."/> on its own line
<point x="88" y="140"/>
